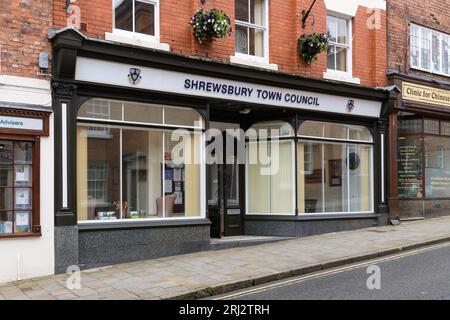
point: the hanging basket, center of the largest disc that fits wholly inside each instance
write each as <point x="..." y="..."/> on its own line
<point x="310" y="45"/>
<point x="208" y="25"/>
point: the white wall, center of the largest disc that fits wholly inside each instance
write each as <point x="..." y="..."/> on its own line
<point x="36" y="254"/>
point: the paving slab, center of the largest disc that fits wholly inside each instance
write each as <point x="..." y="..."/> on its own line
<point x="200" y="274"/>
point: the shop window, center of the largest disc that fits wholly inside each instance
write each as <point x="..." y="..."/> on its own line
<point x="19" y="172"/>
<point x="270" y="169"/>
<point x="251" y="28"/>
<point x="139" y="17"/>
<point x="423" y="166"/>
<point x="337" y="177"/>
<point x="339" y="49"/>
<point x="136" y="172"/>
<point x="429" y="50"/>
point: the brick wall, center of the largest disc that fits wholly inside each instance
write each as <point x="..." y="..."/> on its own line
<point x="434" y="14"/>
<point x="24" y="25"/>
<point x="369" y="59"/>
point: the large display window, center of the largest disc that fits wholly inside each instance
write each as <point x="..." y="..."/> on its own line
<point x="126" y="166"/>
<point x="423" y="158"/>
<point x="335" y="168"/>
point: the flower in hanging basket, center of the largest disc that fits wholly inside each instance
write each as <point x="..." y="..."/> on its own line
<point x="310" y="45"/>
<point x="210" y="24"/>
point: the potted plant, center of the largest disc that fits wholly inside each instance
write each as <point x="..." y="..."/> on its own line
<point x="210" y="24"/>
<point x="310" y="45"/>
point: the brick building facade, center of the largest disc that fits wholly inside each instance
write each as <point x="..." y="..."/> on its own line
<point x="368" y="24"/>
<point x="122" y="83"/>
<point x="418" y="64"/>
<point x="27" y="227"/>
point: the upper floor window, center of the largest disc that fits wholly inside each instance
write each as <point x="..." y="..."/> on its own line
<point x="137" y="16"/>
<point x="251" y="27"/>
<point x="429" y="50"/>
<point x="339" y="49"/>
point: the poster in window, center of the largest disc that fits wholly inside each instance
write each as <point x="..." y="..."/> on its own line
<point x="22" y="221"/>
<point x="23" y="198"/>
<point x="23" y="175"/>
<point x="335" y="172"/>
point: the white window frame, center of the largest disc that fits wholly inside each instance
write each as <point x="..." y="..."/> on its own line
<point x="441" y="37"/>
<point x="137" y="35"/>
<point x="349" y="47"/>
<point x="308" y="153"/>
<point x="94" y="168"/>
<point x="264" y="28"/>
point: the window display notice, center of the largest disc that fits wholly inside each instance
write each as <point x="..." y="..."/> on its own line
<point x="437" y="183"/>
<point x="410" y="183"/>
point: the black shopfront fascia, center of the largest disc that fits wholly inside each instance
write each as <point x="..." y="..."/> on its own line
<point x="69" y="44"/>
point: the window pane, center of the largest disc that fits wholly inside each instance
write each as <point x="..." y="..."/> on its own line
<point x="6" y="199"/>
<point x="341" y="59"/>
<point x="331" y="58"/>
<point x="23" y="175"/>
<point x="335" y="130"/>
<point x="241" y="39"/>
<point x="426" y="48"/>
<point x="123" y="12"/>
<point x="145" y="18"/>
<point x="436" y="52"/>
<point x="310" y="176"/>
<point x="101" y="109"/>
<point x="360" y="178"/>
<point x="431" y="126"/>
<point x="415" y="46"/>
<point x="140" y="172"/>
<point x="409" y="159"/>
<point x="6" y="175"/>
<point x="342" y="33"/>
<point x="182" y="116"/>
<point x="22" y="198"/>
<point x="311" y="129"/>
<point x="257" y="12"/>
<point x="445" y="54"/>
<point x="182" y="174"/>
<point x="437" y="169"/>
<point x="241" y="10"/>
<point x="360" y="133"/>
<point x="22" y="221"/>
<point x="332" y="29"/>
<point x="270" y="185"/>
<point x="144" y="113"/>
<point x="98" y="192"/>
<point x="23" y="152"/>
<point x="6" y="152"/>
<point x="336" y="162"/>
<point x="212" y="188"/>
<point x="274" y="128"/>
<point x="256" y="42"/>
<point x="232" y="183"/>
<point x="6" y="222"/>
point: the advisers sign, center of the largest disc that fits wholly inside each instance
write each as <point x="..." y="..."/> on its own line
<point x="20" y="123"/>
<point x="415" y="92"/>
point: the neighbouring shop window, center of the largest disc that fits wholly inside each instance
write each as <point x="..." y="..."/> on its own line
<point x="130" y="170"/>
<point x="423" y="158"/>
<point x="338" y="177"/>
<point x="339" y="48"/>
<point x="137" y="16"/>
<point x="429" y="50"/>
<point x="270" y="188"/>
<point x="18" y="172"/>
<point x="251" y="27"/>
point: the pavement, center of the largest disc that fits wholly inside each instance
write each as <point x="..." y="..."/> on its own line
<point x="206" y="273"/>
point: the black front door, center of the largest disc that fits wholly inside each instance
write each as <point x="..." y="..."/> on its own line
<point x="225" y="194"/>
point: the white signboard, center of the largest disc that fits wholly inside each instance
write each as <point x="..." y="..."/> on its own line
<point x="124" y="75"/>
<point x="20" y="123"/>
